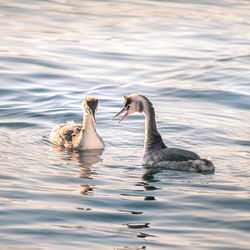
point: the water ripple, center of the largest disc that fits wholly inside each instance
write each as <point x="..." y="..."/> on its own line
<point x="192" y="61"/>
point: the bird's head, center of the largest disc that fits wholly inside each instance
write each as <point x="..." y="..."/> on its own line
<point x="132" y="103"/>
<point x="90" y="106"/>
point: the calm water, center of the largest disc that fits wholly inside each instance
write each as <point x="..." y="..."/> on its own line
<point x="191" y="58"/>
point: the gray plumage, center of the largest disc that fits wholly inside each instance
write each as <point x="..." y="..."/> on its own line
<point x="156" y="153"/>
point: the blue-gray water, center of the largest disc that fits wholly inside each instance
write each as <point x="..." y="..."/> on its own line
<point x="190" y="58"/>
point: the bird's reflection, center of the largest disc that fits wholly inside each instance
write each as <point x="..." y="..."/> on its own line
<point x="85" y="160"/>
<point x="149" y="174"/>
<point x="147" y="180"/>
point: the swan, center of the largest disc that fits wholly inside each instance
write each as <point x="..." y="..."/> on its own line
<point x="156" y="153"/>
<point x="76" y="136"/>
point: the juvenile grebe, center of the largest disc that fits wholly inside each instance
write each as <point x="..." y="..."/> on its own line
<point x="156" y="153"/>
<point x="75" y="136"/>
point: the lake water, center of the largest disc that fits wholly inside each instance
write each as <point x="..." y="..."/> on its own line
<point x="190" y="58"/>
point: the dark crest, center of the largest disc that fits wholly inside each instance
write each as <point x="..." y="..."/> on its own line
<point x="92" y="103"/>
<point x="127" y="101"/>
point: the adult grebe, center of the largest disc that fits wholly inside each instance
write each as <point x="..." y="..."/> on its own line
<point x="75" y="136"/>
<point x="156" y="153"/>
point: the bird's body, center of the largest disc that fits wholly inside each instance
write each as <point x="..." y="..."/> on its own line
<point x="177" y="159"/>
<point x="76" y="136"/>
<point x="156" y="153"/>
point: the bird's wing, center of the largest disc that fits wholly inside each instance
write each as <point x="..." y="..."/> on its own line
<point x="176" y="154"/>
<point x="69" y="132"/>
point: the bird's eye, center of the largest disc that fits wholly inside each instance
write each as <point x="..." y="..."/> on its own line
<point x="128" y="106"/>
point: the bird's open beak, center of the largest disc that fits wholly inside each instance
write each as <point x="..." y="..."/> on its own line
<point x="125" y="109"/>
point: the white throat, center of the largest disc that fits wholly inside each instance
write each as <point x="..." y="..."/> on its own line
<point x="89" y="138"/>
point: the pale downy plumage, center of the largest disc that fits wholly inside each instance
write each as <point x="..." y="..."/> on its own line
<point x="156" y="153"/>
<point x="75" y="136"/>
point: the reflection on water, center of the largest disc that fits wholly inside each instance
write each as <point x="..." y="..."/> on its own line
<point x="85" y="160"/>
<point x="191" y="58"/>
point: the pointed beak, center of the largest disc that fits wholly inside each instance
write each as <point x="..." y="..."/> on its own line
<point x="125" y="109"/>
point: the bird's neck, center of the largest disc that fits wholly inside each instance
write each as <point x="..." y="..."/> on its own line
<point x="153" y="138"/>
<point x="89" y="139"/>
<point x="88" y="123"/>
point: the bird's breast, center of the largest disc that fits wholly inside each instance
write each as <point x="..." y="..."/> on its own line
<point x="91" y="140"/>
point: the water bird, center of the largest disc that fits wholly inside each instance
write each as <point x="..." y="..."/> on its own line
<point x="156" y="153"/>
<point x="76" y="136"/>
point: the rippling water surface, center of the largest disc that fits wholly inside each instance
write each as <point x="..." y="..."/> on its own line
<point x="191" y="58"/>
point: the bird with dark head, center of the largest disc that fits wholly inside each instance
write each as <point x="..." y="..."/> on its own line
<point x="156" y="153"/>
<point x="76" y="136"/>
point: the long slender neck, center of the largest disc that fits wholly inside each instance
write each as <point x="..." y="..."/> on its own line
<point x="153" y="138"/>
<point x="89" y="139"/>
<point x="88" y="123"/>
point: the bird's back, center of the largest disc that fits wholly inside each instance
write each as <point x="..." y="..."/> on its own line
<point x="66" y="135"/>
<point x="177" y="154"/>
<point x="178" y="159"/>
